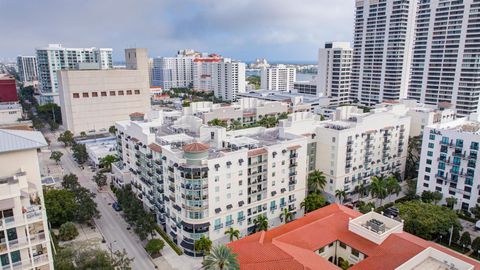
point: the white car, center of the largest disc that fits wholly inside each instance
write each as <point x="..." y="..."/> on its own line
<point x="477" y="226"/>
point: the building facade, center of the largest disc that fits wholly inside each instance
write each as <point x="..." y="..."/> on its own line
<point x="278" y="78"/>
<point x="423" y="115"/>
<point x="202" y="180"/>
<point x="334" y="72"/>
<point x="448" y="162"/>
<point x="383" y="40"/>
<point x="444" y="68"/>
<point x="10" y="113"/>
<point x="353" y="146"/>
<point x="244" y="111"/>
<point x="174" y="72"/>
<point x="92" y="100"/>
<point x="55" y="57"/>
<point x="27" y="68"/>
<point x="8" y="88"/>
<point x="25" y="240"/>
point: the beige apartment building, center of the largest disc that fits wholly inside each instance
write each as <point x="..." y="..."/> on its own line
<point x="24" y="237"/>
<point x="92" y="100"/>
<point x="353" y="146"/>
<point x="245" y="110"/>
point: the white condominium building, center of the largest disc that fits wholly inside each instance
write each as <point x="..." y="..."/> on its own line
<point x="422" y="114"/>
<point x="334" y="72"/>
<point x="244" y="111"/>
<point x="383" y="39"/>
<point x="92" y="100"/>
<point x="55" y="57"/>
<point x="444" y="66"/>
<point x="222" y="76"/>
<point x="174" y="72"/>
<point x="24" y="237"/>
<point x="202" y="180"/>
<point x="278" y="78"/>
<point x="449" y="161"/>
<point x="27" y="68"/>
<point x="353" y="146"/>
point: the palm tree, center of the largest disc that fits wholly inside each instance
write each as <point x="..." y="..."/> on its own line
<point x="233" y="233"/>
<point x="221" y="258"/>
<point x="378" y="188"/>
<point x="261" y="223"/>
<point x="286" y="215"/>
<point x="203" y="245"/>
<point x="316" y="181"/>
<point x="236" y="124"/>
<point x="217" y="122"/>
<point x="107" y="161"/>
<point x="312" y="202"/>
<point x="451" y="201"/>
<point x="362" y="190"/>
<point x="393" y="187"/>
<point x="341" y="195"/>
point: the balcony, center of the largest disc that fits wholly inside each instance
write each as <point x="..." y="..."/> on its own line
<point x="229" y="222"/>
<point x="240" y="219"/>
<point x="293" y="164"/>
<point x="293" y="155"/>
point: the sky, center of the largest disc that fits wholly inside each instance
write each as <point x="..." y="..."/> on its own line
<point x="278" y="30"/>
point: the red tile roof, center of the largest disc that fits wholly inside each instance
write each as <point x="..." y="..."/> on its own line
<point x="256" y="152"/>
<point x="195" y="147"/>
<point x="292" y="246"/>
<point x="155" y="147"/>
<point x="137" y="114"/>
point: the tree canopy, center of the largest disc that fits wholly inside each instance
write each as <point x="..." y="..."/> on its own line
<point x="427" y="220"/>
<point x="313" y="202"/>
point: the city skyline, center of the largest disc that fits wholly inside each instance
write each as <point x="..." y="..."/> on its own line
<point x="243" y="30"/>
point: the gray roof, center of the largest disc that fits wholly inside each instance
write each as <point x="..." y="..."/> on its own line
<point x="16" y="140"/>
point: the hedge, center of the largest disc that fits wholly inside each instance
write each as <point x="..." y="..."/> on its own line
<point x="169" y="241"/>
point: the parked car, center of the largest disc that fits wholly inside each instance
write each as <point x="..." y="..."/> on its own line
<point x="477" y="225"/>
<point x="116" y="206"/>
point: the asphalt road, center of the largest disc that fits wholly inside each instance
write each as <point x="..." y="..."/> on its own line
<point x="111" y="224"/>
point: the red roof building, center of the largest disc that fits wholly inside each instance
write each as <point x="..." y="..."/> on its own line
<point x="8" y="89"/>
<point x="335" y="233"/>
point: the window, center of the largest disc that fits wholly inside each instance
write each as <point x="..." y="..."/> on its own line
<point x="137" y="92"/>
<point x="355" y="252"/>
<point x="427" y="169"/>
<point x="429" y="161"/>
<point x="129" y="92"/>
<point x="229" y="186"/>
<point x="430" y="153"/>
<point x="76" y="95"/>
<point x="432" y="137"/>
<point x="103" y="94"/>
<point x="240" y="173"/>
<point x="85" y="95"/>
<point x="431" y="145"/>
<point x="112" y="93"/>
<point x="229" y="195"/>
<point x="94" y="94"/>
<point x="217" y="178"/>
<point x="217" y="189"/>
<point x="120" y="93"/>
<point x="342" y="245"/>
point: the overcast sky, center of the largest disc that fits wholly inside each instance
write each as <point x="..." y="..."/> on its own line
<point x="290" y="30"/>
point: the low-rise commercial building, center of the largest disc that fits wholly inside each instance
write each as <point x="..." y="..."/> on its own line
<point x="10" y="113"/>
<point x="327" y="237"/>
<point x="449" y="161"/>
<point x="25" y="240"/>
<point x="92" y="100"/>
<point x="202" y="180"/>
<point x="8" y="88"/>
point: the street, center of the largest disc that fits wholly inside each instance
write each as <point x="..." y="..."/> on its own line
<point x="111" y="225"/>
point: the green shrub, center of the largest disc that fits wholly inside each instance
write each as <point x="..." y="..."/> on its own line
<point x="68" y="231"/>
<point x="169" y="241"/>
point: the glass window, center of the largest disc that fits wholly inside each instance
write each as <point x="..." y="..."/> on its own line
<point x="75" y="95"/>
<point x="431" y="145"/>
<point x="432" y="136"/>
<point x="85" y="95"/>
<point x="94" y="94"/>
<point x="342" y="245"/>
<point x="129" y="92"/>
<point x="137" y="92"/>
<point x="103" y="94"/>
<point x="430" y="153"/>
